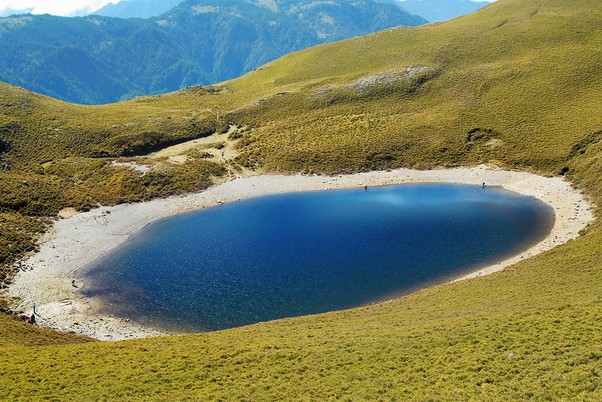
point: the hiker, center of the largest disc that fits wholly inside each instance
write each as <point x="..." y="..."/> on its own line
<point x="29" y="319"/>
<point x="365" y="188"/>
<point x="483" y="185"/>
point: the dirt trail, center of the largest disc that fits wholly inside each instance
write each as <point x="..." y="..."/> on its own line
<point x="180" y="149"/>
<point x="218" y="145"/>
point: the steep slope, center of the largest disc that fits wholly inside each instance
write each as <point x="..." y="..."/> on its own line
<point x="90" y="59"/>
<point x="516" y="84"/>
<point x="95" y="59"/>
<point x="417" y="94"/>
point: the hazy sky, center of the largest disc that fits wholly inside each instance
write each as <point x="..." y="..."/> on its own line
<point x="56" y="7"/>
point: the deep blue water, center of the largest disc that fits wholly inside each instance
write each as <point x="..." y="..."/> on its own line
<point x="303" y="253"/>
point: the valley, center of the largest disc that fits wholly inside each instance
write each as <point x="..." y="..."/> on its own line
<point x="97" y="60"/>
<point x="514" y="86"/>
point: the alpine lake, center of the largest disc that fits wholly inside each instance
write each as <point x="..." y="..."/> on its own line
<point x="303" y="253"/>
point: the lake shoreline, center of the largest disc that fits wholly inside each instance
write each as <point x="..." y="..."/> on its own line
<point x="73" y="243"/>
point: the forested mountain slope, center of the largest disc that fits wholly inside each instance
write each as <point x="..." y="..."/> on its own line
<point x="96" y="59"/>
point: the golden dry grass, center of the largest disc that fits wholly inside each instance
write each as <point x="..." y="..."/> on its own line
<point x="516" y="83"/>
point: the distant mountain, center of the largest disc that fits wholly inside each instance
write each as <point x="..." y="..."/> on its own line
<point x="441" y="10"/>
<point x="431" y="10"/>
<point x="137" y="8"/>
<point x="97" y="59"/>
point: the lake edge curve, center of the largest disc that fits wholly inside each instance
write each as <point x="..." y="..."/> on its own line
<point x="75" y="242"/>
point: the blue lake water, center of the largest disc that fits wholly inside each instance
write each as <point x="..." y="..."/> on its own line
<point x="302" y="253"/>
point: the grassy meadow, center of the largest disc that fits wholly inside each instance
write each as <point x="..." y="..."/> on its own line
<point x="516" y="84"/>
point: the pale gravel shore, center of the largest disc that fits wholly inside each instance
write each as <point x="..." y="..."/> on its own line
<point x="74" y="242"/>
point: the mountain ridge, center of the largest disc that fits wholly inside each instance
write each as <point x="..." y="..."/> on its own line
<point x="437" y="10"/>
<point x="183" y="47"/>
<point x="432" y="10"/>
<point x="136" y="8"/>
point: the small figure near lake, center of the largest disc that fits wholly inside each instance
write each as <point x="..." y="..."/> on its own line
<point x="29" y="319"/>
<point x="483" y="185"/>
<point x="366" y="188"/>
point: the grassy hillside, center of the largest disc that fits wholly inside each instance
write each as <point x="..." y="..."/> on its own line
<point x="56" y="155"/>
<point x="528" y="100"/>
<point x="516" y="84"/>
<point x="14" y="333"/>
<point x="531" y="332"/>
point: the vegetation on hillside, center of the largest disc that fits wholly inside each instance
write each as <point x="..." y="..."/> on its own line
<point x="516" y="84"/>
<point x="95" y="60"/>
<point x="57" y="155"/>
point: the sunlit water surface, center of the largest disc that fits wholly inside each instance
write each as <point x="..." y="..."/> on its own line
<point x="302" y="253"/>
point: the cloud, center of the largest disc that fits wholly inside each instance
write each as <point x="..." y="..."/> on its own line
<point x="67" y="8"/>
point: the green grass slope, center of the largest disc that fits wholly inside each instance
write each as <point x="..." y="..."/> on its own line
<point x="531" y="332"/>
<point x="528" y="94"/>
<point x="16" y="333"/>
<point x="516" y="83"/>
<point x="55" y="155"/>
